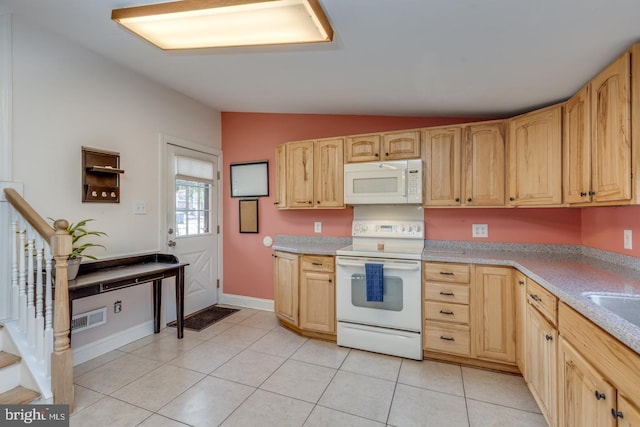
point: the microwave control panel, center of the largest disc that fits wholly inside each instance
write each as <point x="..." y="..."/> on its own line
<point x="414" y="181"/>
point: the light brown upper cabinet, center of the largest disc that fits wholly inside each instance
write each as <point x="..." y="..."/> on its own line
<point x="534" y="154"/>
<point x="597" y="144"/>
<point x="401" y="145"/>
<point x="281" y="176"/>
<point x="442" y="154"/>
<point x="483" y="164"/>
<point x="315" y="174"/>
<point x="383" y="146"/>
<point x="464" y="165"/>
<point x="362" y="148"/>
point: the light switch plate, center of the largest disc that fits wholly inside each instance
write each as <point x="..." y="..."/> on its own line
<point x="139" y="207"/>
<point x="628" y="239"/>
<point x="317" y="227"/>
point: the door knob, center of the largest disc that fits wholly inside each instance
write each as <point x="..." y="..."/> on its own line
<point x="171" y="243"/>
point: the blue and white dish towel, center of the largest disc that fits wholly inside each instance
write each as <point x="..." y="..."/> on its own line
<point x="374" y="279"/>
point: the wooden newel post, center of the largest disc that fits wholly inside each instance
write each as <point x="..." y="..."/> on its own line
<point x="62" y="357"/>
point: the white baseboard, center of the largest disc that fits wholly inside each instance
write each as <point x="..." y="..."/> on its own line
<point x="112" y="342"/>
<point x="249" y="302"/>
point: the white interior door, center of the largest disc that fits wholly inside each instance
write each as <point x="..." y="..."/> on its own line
<point x="192" y="222"/>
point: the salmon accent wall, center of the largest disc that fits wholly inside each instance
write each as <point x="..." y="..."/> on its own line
<point x="603" y="228"/>
<point x="248" y="264"/>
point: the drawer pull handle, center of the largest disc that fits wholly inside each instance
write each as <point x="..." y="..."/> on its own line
<point x="535" y="297"/>
<point x="316" y="263"/>
<point x="600" y="395"/>
<point x="446" y="312"/>
<point x="449" y="294"/>
<point x="446" y="273"/>
<point x="442" y="337"/>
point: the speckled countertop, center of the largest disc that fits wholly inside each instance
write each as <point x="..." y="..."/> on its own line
<point x="567" y="271"/>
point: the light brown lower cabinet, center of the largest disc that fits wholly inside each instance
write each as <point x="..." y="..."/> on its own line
<point x="599" y="377"/>
<point x="304" y="293"/>
<point x="542" y="345"/>
<point x="317" y="294"/>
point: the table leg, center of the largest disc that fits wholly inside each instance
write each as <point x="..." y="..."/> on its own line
<point x="180" y="302"/>
<point x="157" y="304"/>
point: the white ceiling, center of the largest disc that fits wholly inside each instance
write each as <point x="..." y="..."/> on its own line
<point x="388" y="57"/>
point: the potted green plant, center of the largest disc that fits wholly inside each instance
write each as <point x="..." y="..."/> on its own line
<point x="78" y="231"/>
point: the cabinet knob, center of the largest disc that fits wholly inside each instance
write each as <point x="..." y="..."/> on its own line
<point x="600" y="395"/>
<point x="512" y="199"/>
<point x="469" y="199"/>
<point x="548" y="337"/>
<point x="616" y="414"/>
<point x="376" y="154"/>
<point x="592" y="193"/>
<point x="330" y="281"/>
<point x="318" y="202"/>
<point x="521" y="282"/>
<point x="457" y="199"/>
<point x="583" y="194"/>
<point x="310" y="202"/>
<point x="386" y="154"/>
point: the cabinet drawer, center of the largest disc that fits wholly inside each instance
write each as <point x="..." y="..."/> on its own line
<point x="317" y="263"/>
<point x="446" y="312"/>
<point x="447" y="338"/>
<point x="445" y="292"/>
<point x="543" y="300"/>
<point x="446" y="272"/>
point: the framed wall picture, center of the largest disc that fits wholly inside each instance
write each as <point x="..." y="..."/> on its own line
<point x="248" y="212"/>
<point x="250" y="179"/>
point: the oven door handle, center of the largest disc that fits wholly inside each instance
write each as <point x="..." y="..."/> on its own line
<point x="410" y="267"/>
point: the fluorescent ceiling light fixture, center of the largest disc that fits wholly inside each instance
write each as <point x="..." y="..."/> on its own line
<point x="196" y="24"/>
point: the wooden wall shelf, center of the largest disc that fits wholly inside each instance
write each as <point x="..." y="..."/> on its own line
<point x="100" y="176"/>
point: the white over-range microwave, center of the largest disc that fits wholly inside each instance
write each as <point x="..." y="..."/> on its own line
<point x="392" y="182"/>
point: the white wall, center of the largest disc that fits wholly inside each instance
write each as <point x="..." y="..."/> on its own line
<point x="65" y="97"/>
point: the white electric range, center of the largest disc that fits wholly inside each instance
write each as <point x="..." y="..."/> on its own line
<point x="391" y="236"/>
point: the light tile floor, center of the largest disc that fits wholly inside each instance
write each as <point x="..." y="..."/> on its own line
<point x="246" y="370"/>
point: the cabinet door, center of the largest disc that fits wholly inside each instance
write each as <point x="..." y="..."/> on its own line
<point x="577" y="148"/>
<point x="586" y="398"/>
<point x="630" y="413"/>
<point x="286" y="287"/>
<point x="542" y="339"/>
<point x="329" y="172"/>
<point x="401" y="145"/>
<point x="521" y="323"/>
<point x="300" y="174"/>
<point x="535" y="158"/>
<point x="317" y="301"/>
<point x="495" y="314"/>
<point x="483" y="165"/>
<point x="611" y="132"/>
<point x="281" y="177"/>
<point x="362" y="148"/>
<point x="442" y="166"/>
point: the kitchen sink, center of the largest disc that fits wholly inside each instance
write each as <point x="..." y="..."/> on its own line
<point x="625" y="306"/>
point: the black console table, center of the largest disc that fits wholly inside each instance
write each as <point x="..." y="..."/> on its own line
<point x="109" y="275"/>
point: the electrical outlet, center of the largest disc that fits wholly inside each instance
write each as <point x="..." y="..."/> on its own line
<point x="628" y="239"/>
<point x="139" y="207"/>
<point x="479" y="230"/>
<point x="317" y="227"/>
<point x="117" y="306"/>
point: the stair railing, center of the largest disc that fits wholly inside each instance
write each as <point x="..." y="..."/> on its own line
<point x="44" y="326"/>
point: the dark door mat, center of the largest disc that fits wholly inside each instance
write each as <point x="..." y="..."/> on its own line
<point x="206" y="317"/>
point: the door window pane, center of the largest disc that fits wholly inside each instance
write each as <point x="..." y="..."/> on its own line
<point x="193" y="208"/>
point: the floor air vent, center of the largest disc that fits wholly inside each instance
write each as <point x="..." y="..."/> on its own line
<point x="89" y="320"/>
